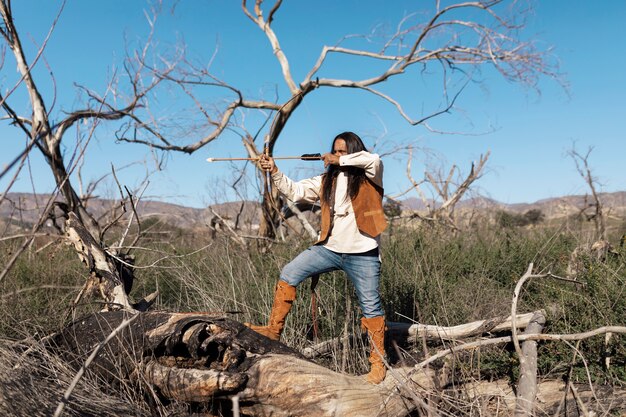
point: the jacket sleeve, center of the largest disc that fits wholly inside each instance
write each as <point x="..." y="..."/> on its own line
<point x="370" y="162"/>
<point x="307" y="190"/>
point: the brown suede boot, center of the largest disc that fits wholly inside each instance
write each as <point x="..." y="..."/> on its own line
<point x="375" y="327"/>
<point x="283" y="299"/>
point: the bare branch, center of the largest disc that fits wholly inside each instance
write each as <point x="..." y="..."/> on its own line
<point x="508" y="339"/>
<point x="10" y="35"/>
<point x="38" y="288"/>
<point x="271" y="36"/>
<point x="416" y="185"/>
<point x="474" y="174"/>
<point x="230" y="232"/>
<point x="275" y="8"/>
<point x="584" y="170"/>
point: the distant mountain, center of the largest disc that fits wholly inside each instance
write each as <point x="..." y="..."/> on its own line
<point x="614" y="203"/>
<point x="25" y="208"/>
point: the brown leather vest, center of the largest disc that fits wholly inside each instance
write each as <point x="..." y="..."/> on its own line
<point x="368" y="211"/>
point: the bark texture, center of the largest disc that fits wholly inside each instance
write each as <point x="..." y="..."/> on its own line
<point x="203" y="360"/>
<point x="197" y="358"/>
<point x="527" y="385"/>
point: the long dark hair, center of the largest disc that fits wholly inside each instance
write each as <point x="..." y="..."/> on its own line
<point x="356" y="176"/>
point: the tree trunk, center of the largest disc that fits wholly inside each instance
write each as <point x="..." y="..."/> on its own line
<point x="413" y="333"/>
<point x="106" y="275"/>
<point x="198" y="358"/>
<point x="204" y="361"/>
<point x="270" y="213"/>
<point x="527" y="385"/>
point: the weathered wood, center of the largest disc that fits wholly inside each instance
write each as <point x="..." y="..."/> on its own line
<point x="101" y="265"/>
<point x="415" y="332"/>
<point x="206" y="359"/>
<point x="405" y="332"/>
<point x="196" y="385"/>
<point x="527" y="385"/>
<point x="287" y="386"/>
<point x="196" y="358"/>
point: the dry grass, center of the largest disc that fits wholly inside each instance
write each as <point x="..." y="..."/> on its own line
<point x="31" y="385"/>
<point x="428" y="276"/>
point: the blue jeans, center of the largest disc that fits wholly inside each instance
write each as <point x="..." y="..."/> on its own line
<point x="362" y="269"/>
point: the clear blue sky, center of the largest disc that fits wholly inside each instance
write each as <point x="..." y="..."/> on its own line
<point x="528" y="146"/>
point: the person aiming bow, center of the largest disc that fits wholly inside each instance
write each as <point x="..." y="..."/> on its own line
<point x="352" y="219"/>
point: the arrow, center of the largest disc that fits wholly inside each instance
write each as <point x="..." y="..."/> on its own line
<point x="304" y="157"/>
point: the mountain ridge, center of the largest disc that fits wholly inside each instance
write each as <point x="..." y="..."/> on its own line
<point x="26" y="207"/>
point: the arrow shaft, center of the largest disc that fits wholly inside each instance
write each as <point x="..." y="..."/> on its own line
<point x="312" y="157"/>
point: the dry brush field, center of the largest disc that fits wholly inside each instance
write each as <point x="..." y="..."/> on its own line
<point x="433" y="279"/>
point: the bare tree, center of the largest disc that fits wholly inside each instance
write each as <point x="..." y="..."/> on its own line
<point x="592" y="210"/>
<point x="597" y="214"/>
<point x="448" y="188"/>
<point x="111" y="270"/>
<point x="455" y="40"/>
<point x="445" y="212"/>
<point x="445" y="39"/>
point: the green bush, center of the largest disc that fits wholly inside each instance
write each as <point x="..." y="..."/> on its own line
<point x="507" y="219"/>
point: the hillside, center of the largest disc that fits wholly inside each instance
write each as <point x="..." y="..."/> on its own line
<point x="25" y="209"/>
<point x="552" y="208"/>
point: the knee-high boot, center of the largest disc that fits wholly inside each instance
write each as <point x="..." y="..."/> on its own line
<point x="284" y="297"/>
<point x="375" y="327"/>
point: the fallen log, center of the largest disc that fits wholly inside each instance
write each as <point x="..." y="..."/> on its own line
<point x="417" y="331"/>
<point x="204" y="364"/>
<point x="202" y="358"/>
<point x="412" y="333"/>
